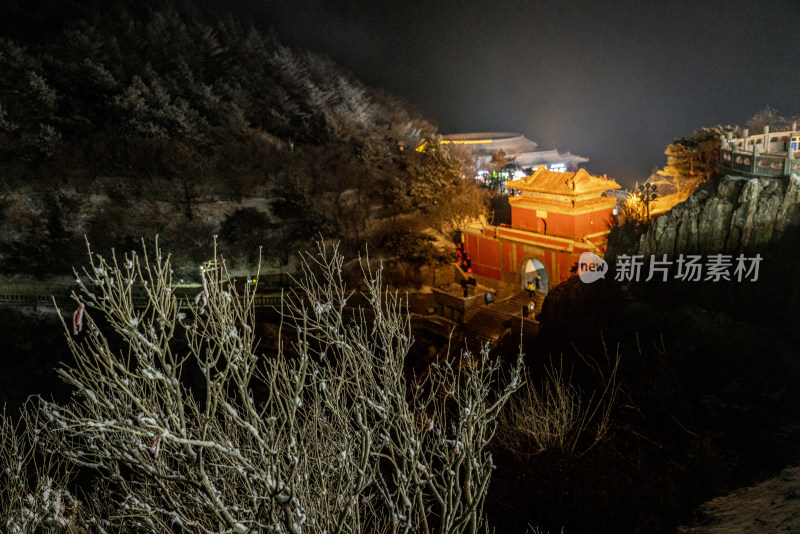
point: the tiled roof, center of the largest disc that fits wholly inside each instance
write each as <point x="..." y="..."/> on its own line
<point x="490" y="142"/>
<point x="563" y="183"/>
<point x="547" y="157"/>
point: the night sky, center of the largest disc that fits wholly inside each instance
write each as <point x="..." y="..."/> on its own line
<point x="611" y="81"/>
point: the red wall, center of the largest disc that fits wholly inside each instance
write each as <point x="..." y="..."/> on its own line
<point x="494" y="254"/>
<point x="559" y="223"/>
<point x="485" y="252"/>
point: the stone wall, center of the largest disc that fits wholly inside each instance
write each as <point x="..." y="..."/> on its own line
<point x="733" y="215"/>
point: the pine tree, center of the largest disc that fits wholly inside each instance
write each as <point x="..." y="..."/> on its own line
<point x="695" y="160"/>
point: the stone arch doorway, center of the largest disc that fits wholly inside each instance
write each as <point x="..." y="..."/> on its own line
<point x="528" y="273"/>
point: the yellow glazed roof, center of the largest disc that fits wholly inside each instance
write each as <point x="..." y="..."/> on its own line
<point x="563" y="183"/>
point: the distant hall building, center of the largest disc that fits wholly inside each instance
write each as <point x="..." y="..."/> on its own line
<point x="556" y="217"/>
<point x="484" y="144"/>
<point x="519" y="149"/>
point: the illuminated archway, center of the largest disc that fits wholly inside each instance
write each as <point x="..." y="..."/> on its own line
<point x="528" y="273"/>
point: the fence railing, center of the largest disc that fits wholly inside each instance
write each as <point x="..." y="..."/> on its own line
<point x="33" y="301"/>
<point x="41" y="302"/>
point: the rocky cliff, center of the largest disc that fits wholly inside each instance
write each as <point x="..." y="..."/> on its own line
<point x="732" y="215"/>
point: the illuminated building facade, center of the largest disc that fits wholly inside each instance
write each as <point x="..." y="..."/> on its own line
<point x="556" y="217"/>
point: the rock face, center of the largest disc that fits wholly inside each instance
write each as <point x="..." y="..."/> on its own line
<point x="733" y="215"/>
<point x="771" y="506"/>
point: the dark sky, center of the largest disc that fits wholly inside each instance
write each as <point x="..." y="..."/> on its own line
<point x="611" y="81"/>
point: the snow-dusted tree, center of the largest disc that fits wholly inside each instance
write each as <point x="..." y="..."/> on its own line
<point x="444" y="188"/>
<point x="33" y="494"/>
<point x="326" y="435"/>
<point x="769" y="117"/>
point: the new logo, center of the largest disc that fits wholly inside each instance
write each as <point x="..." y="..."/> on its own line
<point x="591" y="267"/>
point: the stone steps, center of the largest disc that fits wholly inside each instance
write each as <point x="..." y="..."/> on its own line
<point x="487" y="323"/>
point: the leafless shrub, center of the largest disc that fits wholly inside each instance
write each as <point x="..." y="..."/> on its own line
<point x="555" y="415"/>
<point x="632" y="211"/>
<point x="33" y="494"/>
<point x="326" y="435"/>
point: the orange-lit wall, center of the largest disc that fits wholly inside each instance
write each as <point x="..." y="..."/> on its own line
<point x="499" y="253"/>
<point x="559" y="223"/>
<point x="593" y="221"/>
<point x="554" y="223"/>
<point x="485" y="254"/>
<point x="496" y="256"/>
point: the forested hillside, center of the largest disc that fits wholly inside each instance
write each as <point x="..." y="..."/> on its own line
<point x="124" y="122"/>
